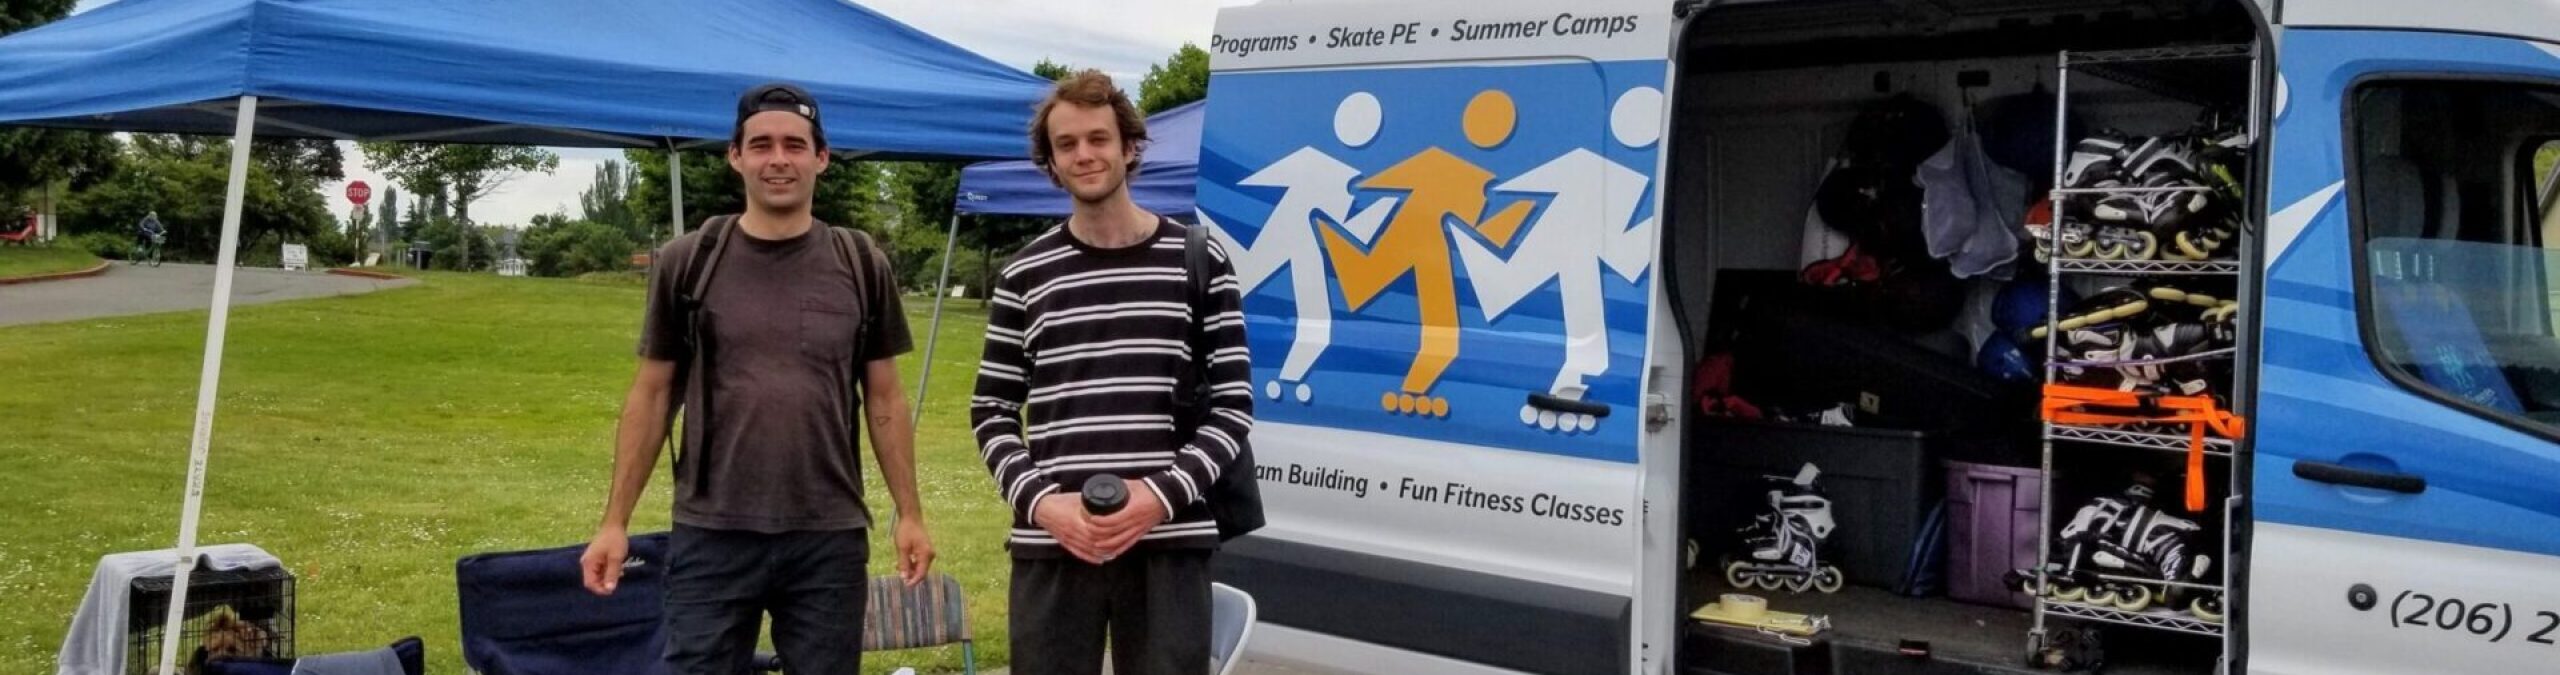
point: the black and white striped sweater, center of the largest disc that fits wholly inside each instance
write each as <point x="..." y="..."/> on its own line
<point x="1085" y="345"/>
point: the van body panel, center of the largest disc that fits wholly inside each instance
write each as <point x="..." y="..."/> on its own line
<point x="2459" y="577"/>
<point x="1443" y="215"/>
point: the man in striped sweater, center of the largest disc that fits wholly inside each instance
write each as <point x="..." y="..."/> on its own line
<point x="1090" y="335"/>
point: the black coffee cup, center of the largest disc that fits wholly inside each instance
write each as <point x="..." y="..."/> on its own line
<point x="1105" y="494"/>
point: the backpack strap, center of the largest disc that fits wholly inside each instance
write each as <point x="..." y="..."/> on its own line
<point x="853" y="248"/>
<point x="1191" y="394"/>
<point x="694" y="286"/>
<point x="1199" y="270"/>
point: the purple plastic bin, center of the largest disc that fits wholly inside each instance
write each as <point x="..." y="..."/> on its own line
<point x="1992" y="518"/>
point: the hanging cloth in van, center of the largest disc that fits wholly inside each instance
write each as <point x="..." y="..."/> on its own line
<point x="1969" y="208"/>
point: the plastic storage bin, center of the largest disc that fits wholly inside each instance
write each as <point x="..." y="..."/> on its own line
<point x="1992" y="516"/>
<point x="1881" y="483"/>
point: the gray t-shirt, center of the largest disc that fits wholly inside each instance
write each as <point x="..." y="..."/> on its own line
<point x="790" y="335"/>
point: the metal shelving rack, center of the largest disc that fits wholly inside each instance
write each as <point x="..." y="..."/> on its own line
<point x="2199" y="74"/>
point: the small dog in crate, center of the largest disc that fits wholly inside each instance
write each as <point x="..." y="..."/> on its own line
<point x="226" y="635"/>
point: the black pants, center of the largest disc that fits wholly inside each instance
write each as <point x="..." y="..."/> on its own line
<point x="1153" y="607"/>
<point x="721" y="583"/>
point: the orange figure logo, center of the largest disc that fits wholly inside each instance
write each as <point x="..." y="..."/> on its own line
<point x="1440" y="190"/>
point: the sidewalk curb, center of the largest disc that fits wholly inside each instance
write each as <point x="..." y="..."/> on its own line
<point x="342" y="271"/>
<point x="58" y="276"/>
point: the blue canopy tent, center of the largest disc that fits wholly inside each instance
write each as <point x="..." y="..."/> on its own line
<point x="1168" y="171"/>
<point x="1166" y="174"/>
<point x="590" y="73"/>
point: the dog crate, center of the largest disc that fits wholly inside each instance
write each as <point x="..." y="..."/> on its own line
<point x="230" y="613"/>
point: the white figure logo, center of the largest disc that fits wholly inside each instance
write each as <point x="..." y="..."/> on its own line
<point x="1315" y="188"/>
<point x="1583" y="228"/>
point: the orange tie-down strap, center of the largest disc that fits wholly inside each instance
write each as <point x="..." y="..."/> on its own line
<point x="2069" y="404"/>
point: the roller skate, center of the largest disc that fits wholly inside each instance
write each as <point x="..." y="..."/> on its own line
<point x="1783" y="546"/>
<point x="2124" y="536"/>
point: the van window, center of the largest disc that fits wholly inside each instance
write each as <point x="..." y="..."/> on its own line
<point x="2546" y="166"/>
<point x="2461" y="253"/>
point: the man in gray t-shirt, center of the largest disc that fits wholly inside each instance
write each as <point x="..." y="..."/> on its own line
<point x="790" y="343"/>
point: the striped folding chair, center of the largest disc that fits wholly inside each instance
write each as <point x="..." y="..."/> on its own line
<point x="929" y="614"/>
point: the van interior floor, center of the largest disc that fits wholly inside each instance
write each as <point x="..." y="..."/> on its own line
<point x="1869" y="625"/>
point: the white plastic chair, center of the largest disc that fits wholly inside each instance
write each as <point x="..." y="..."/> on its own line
<point x="1231" y="617"/>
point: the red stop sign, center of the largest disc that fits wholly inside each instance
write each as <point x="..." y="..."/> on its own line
<point x="359" y="192"/>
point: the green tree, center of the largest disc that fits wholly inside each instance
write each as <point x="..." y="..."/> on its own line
<point x="1181" y="79"/>
<point x="927" y="191"/>
<point x="608" y="201"/>
<point x="462" y="173"/>
<point x="1052" y="70"/>
<point x="183" y="179"/>
<point x="2544" y="160"/>
<point x="316" y="160"/>
<point x="848" y="193"/>
<point x="387" y="222"/>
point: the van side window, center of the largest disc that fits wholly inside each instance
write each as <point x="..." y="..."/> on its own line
<point x="2461" y="246"/>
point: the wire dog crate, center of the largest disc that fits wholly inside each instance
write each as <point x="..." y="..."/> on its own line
<point x="229" y="613"/>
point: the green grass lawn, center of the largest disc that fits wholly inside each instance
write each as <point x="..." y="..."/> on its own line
<point x="19" y="261"/>
<point x="371" y="440"/>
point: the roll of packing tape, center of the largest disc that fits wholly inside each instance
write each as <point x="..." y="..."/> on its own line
<point x="1745" y="607"/>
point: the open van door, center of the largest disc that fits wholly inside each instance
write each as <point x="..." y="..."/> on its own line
<point x="2406" y="477"/>
<point x="1443" y="214"/>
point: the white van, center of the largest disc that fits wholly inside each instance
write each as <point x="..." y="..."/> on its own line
<point x="1490" y="244"/>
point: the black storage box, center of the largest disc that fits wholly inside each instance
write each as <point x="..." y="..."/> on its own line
<point x="1802" y="349"/>
<point x="1881" y="483"/>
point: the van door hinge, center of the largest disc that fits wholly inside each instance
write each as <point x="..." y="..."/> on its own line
<point x="1657" y="412"/>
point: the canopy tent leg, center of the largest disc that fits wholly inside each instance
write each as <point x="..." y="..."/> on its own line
<point x="208" y="382"/>
<point x="675" y="188"/>
<point x="934" y="333"/>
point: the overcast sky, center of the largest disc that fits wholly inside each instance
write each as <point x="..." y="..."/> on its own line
<point x="1121" y="37"/>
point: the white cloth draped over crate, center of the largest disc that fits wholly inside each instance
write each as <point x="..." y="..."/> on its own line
<point x="96" y="644"/>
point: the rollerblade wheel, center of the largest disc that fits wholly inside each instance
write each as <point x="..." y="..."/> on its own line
<point x="2083" y="248"/>
<point x="2100" y="595"/>
<point x="2108" y="251"/>
<point x="2196" y="248"/>
<point x="2134" y="598"/>
<point x="1740" y="575"/>
<point x="1793" y="583"/>
<point x="2067" y="591"/>
<point x="2148" y="249"/>
<point x="1828" y="579"/>
<point x="2207" y="608"/>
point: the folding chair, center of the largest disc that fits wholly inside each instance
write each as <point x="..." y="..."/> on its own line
<point x="529" y="613"/>
<point x="1231" y="616"/>
<point x="929" y="614"/>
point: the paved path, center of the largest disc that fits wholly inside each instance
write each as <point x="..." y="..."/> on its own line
<point x="127" y="289"/>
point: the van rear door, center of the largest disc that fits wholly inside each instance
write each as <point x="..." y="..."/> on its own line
<point x="1443" y="216"/>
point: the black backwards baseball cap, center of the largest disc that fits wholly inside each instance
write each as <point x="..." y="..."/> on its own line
<point x="777" y="96"/>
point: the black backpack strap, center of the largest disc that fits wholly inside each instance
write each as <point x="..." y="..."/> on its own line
<point x="694" y="286"/>
<point x="1198" y="271"/>
<point x="853" y="248"/>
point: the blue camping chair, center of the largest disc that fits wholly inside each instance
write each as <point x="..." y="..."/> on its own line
<point x="529" y="613"/>
<point x="408" y="656"/>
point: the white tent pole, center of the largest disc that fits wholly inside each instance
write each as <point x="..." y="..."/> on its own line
<point x="675" y="187"/>
<point x="934" y="334"/>
<point x="209" y="382"/>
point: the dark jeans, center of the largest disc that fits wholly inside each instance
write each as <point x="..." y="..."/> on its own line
<point x="721" y="583"/>
<point x="1152" y="606"/>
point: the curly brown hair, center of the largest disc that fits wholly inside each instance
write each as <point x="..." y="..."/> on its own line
<point x="1088" y="88"/>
